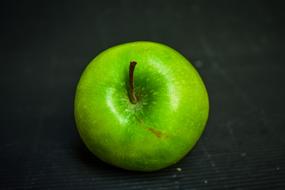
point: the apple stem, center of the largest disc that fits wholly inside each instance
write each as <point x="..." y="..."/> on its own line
<point x="133" y="97"/>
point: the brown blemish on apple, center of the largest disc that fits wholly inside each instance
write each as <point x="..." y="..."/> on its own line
<point x="156" y="132"/>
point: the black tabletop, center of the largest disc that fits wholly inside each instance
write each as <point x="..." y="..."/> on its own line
<point x="237" y="47"/>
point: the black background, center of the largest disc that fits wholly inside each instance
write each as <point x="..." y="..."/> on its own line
<point x="237" y="46"/>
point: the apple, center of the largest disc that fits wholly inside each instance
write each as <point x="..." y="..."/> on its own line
<point x="140" y="106"/>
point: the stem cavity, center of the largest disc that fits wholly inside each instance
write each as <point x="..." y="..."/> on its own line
<point x="132" y="95"/>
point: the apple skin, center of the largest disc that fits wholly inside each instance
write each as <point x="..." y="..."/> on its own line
<point x="165" y="123"/>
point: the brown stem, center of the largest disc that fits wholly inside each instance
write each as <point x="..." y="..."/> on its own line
<point x="133" y="97"/>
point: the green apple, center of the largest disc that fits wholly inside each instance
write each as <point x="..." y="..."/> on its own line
<point x="140" y="106"/>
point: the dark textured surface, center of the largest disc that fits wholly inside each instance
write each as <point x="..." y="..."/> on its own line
<point x="237" y="46"/>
